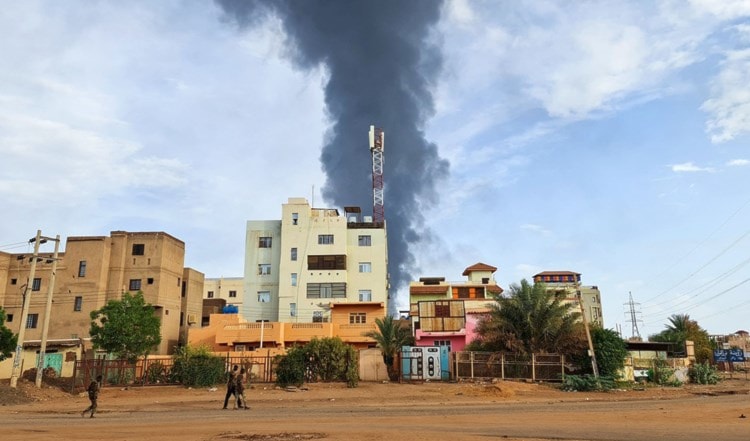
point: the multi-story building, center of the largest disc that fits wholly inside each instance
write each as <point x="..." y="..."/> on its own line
<point x="299" y="268"/>
<point x="219" y="293"/>
<point x="95" y="269"/>
<point x="567" y="285"/>
<point x="446" y="313"/>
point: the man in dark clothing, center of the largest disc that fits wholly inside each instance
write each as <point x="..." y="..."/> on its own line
<point x="93" y="391"/>
<point x="231" y="385"/>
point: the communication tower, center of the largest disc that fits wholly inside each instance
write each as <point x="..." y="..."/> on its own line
<point x="377" y="145"/>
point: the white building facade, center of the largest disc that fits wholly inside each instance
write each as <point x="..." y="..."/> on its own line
<point x="298" y="267"/>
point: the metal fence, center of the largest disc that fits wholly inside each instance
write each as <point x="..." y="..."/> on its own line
<point x="158" y="371"/>
<point x="535" y="367"/>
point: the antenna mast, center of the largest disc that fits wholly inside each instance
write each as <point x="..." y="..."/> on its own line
<point x="377" y="145"/>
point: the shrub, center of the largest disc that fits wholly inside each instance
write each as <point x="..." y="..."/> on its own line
<point x="195" y="366"/>
<point x="703" y="373"/>
<point x="587" y="382"/>
<point x="290" y="368"/>
<point x="326" y="359"/>
<point x="663" y="375"/>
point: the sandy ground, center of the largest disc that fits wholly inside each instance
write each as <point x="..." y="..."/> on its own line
<point x="378" y="411"/>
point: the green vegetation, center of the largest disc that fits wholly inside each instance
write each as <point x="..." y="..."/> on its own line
<point x="325" y="359"/>
<point x="390" y="337"/>
<point x="610" y="351"/>
<point x="587" y="382"/>
<point x="8" y="340"/>
<point x="703" y="373"/>
<point x="682" y="328"/>
<point x="531" y="320"/>
<point x="662" y="374"/>
<point x="196" y="366"/>
<point x="127" y="328"/>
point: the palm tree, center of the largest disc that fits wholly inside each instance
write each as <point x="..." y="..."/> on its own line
<point x="531" y="320"/>
<point x="390" y="337"/>
<point x="682" y="328"/>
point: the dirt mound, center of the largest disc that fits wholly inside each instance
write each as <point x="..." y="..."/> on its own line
<point x="26" y="392"/>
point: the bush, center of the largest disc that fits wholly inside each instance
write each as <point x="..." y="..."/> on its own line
<point x="662" y="375"/>
<point x="326" y="359"/>
<point x="290" y="368"/>
<point x="587" y="382"/>
<point x="195" y="366"/>
<point x="703" y="373"/>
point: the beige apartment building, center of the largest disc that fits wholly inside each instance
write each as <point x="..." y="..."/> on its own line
<point x="568" y="285"/>
<point x="299" y="268"/>
<point x="92" y="270"/>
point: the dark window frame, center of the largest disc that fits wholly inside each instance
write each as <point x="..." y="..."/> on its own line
<point x="139" y="249"/>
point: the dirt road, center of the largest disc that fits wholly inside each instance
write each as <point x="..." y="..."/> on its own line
<point x="374" y="411"/>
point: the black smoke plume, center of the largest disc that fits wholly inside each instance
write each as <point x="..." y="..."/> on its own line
<point x="381" y="70"/>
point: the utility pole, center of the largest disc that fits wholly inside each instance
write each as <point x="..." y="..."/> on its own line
<point x="25" y="311"/>
<point x="47" y="312"/>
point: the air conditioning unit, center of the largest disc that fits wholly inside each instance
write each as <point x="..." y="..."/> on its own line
<point x="352" y="219"/>
<point x="367" y="218"/>
<point x="191" y="319"/>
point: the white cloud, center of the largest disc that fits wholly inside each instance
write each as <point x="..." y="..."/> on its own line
<point x="689" y="167"/>
<point x="738" y="162"/>
<point x="729" y="106"/>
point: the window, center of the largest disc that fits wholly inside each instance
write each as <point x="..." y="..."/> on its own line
<point x="365" y="241"/>
<point x="264" y="242"/>
<point x="295" y="218"/>
<point x="138" y="249"/>
<point x="463" y="292"/>
<point x="365" y="267"/>
<point x="293" y="310"/>
<point x="326" y="290"/>
<point x="150" y="281"/>
<point x="184" y="289"/>
<point x="293" y="256"/>
<point x="264" y="296"/>
<point x="37" y="284"/>
<point x="31" y="320"/>
<point x="334" y="262"/>
<point x="135" y="284"/>
<point x="13" y="281"/>
<point x="442" y="309"/>
<point x="210" y="294"/>
<point x="325" y="239"/>
<point x="9" y="318"/>
<point x="82" y="268"/>
<point x="78" y="304"/>
<point x="440" y="343"/>
<point x="232" y="293"/>
<point x="179" y="281"/>
<point x="264" y="269"/>
<point x="357" y="318"/>
<point x="485" y="280"/>
<point x="365" y="295"/>
<point x="294" y="279"/>
<point x="317" y="317"/>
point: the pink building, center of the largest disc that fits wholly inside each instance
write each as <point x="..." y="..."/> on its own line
<point x="446" y="313"/>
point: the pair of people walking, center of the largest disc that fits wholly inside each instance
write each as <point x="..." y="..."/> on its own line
<point x="236" y="381"/>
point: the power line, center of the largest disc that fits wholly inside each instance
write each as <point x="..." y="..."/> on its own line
<point x="710" y="261"/>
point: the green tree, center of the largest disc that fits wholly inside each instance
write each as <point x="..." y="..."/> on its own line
<point x="390" y="336"/>
<point x="682" y="328"/>
<point x="8" y="340"/>
<point x="610" y="350"/>
<point x="127" y="327"/>
<point x="531" y="319"/>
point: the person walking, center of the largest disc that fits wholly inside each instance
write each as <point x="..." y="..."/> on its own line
<point x="239" y="390"/>
<point x="231" y="385"/>
<point x="93" y="391"/>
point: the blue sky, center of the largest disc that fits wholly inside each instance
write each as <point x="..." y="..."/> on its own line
<point x="607" y="138"/>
